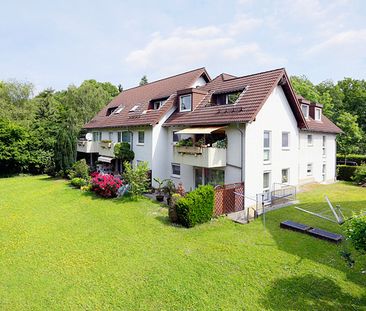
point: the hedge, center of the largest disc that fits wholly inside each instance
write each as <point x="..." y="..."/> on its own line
<point x="196" y="207"/>
<point x="345" y="172"/>
<point x="358" y="158"/>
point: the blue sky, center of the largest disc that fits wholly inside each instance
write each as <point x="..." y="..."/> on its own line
<point x="54" y="44"/>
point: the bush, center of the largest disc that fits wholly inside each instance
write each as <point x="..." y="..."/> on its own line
<point x="137" y="178"/>
<point x="106" y="185"/>
<point x="360" y="174"/>
<point x="123" y="152"/>
<point x="345" y="172"/>
<point x="196" y="207"/>
<point x="355" y="230"/>
<point x="78" y="182"/>
<point x="79" y="169"/>
<point x="358" y="158"/>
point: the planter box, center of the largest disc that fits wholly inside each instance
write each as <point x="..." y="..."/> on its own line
<point x="189" y="149"/>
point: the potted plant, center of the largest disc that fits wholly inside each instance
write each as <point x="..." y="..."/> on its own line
<point x="159" y="190"/>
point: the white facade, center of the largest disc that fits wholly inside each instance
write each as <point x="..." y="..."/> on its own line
<point x="288" y="151"/>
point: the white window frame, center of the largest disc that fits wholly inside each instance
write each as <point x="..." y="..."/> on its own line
<point x="173" y="174"/>
<point x="324" y="171"/>
<point x="316" y="117"/>
<point x="267" y="148"/>
<point x="140" y="143"/>
<point x="266" y="190"/>
<point x="181" y="101"/>
<point x="110" y="136"/>
<point x="311" y="169"/>
<point x="324" y="146"/>
<point x="120" y="137"/>
<point x="306" y="115"/>
<point x="311" y="143"/>
<point x="288" y="141"/>
<point x="288" y="176"/>
<point x="97" y="136"/>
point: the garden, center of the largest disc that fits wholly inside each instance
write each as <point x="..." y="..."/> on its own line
<point x="62" y="248"/>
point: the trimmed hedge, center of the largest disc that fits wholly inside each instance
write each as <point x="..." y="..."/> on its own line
<point x="196" y="207"/>
<point x="358" y="158"/>
<point x="345" y="172"/>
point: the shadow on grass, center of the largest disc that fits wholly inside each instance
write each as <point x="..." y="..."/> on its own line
<point x="307" y="247"/>
<point x="310" y="292"/>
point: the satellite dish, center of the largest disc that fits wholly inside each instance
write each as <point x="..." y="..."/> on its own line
<point x="89" y="136"/>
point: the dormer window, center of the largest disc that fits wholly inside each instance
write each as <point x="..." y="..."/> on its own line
<point x="318" y="114"/>
<point x="156" y="104"/>
<point x="305" y="110"/>
<point x="185" y="103"/>
<point x="232" y="98"/>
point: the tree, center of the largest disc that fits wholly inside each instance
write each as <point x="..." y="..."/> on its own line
<point x="65" y="150"/>
<point x="137" y="177"/>
<point x="349" y="140"/>
<point x="143" y="80"/>
<point x="123" y="152"/>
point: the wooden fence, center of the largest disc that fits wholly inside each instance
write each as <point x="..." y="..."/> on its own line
<point x="226" y="201"/>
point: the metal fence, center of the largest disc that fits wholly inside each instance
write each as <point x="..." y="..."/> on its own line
<point x="227" y="199"/>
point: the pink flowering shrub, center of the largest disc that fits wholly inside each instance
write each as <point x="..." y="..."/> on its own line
<point x="94" y="174"/>
<point x="106" y="185"/>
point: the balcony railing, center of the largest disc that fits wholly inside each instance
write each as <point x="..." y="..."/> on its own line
<point x="200" y="156"/>
<point x="103" y="148"/>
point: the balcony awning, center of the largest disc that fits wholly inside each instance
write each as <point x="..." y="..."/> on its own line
<point x="202" y="130"/>
<point x="105" y="159"/>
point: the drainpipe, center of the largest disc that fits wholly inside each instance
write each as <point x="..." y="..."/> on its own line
<point x="241" y="151"/>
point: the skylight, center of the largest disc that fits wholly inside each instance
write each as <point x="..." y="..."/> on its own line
<point x="134" y="108"/>
<point x="119" y="110"/>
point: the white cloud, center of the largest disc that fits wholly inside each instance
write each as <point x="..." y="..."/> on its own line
<point x="352" y="40"/>
<point x="243" y="23"/>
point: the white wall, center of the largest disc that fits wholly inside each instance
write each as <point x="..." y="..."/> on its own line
<point x="275" y="116"/>
<point x="314" y="154"/>
<point x="199" y="82"/>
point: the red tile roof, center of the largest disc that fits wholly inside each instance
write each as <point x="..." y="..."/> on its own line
<point x="141" y="96"/>
<point x="324" y="126"/>
<point x="257" y="88"/>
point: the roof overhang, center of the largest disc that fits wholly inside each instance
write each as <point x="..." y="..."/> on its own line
<point x="202" y="130"/>
<point x="105" y="159"/>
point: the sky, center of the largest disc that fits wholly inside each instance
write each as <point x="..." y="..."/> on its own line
<point x="58" y="43"/>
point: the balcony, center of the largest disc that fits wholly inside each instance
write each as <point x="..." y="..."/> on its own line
<point x="88" y="146"/>
<point x="200" y="156"/>
<point x="106" y="149"/>
<point x="103" y="148"/>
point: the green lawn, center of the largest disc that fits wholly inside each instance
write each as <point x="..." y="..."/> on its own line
<point x="64" y="249"/>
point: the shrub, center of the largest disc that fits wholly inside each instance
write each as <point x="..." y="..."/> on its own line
<point x="196" y="207"/>
<point x="78" y="182"/>
<point x="137" y="178"/>
<point x="358" y="158"/>
<point x="106" y="185"/>
<point x="345" y="172"/>
<point x="86" y="188"/>
<point x="123" y="152"/>
<point x="355" y="230"/>
<point x="360" y="174"/>
<point x="79" y="169"/>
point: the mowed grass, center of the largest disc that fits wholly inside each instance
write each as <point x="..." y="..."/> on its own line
<point x="61" y="249"/>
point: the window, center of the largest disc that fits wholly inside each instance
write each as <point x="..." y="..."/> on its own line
<point x="266" y="145"/>
<point x="134" y="108"/>
<point x="110" y="135"/>
<point x="266" y="185"/>
<point x="318" y="114"/>
<point x="97" y="136"/>
<point x="310" y="140"/>
<point x="305" y="110"/>
<point x="156" y="105"/>
<point x="285" y="140"/>
<point x="124" y="136"/>
<point x="119" y="110"/>
<point x="232" y="98"/>
<point x="176" y="137"/>
<point x="141" y="137"/>
<point x="324" y="145"/>
<point x="324" y="170"/>
<point x="185" y="103"/>
<point x="285" y="175"/>
<point x="176" y="170"/>
<point x="309" y="169"/>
